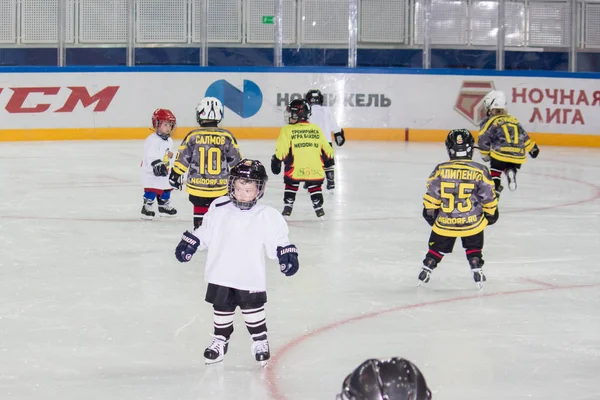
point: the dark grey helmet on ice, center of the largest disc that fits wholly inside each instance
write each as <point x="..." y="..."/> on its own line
<point x="459" y="144"/>
<point x="314" y="96"/>
<point x="393" y="379"/>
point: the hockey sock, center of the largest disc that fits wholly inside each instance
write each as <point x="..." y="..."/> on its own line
<point x="496" y="177"/>
<point x="316" y="196"/>
<point x="289" y="195"/>
<point x="223" y="322"/>
<point x="256" y="322"/>
<point x="199" y="215"/>
<point x="164" y="197"/>
<point x="149" y="195"/>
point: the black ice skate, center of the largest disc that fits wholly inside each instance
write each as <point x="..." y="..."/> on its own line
<point x="260" y="349"/>
<point x="217" y="350"/>
<point x="331" y="186"/>
<point x="165" y="209"/>
<point x="287" y="211"/>
<point x="429" y="265"/>
<point x="476" y="263"/>
<point x="511" y="176"/>
<point x="320" y="212"/>
<point x="147" y="212"/>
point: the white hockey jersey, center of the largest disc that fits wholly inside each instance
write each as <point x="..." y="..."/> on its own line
<point x="237" y="242"/>
<point x="156" y="148"/>
<point x="323" y="117"/>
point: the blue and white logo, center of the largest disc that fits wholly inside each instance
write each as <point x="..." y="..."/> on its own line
<point x="244" y="103"/>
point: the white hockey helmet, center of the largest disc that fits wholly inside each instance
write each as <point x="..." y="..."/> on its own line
<point x="209" y="109"/>
<point x="494" y="100"/>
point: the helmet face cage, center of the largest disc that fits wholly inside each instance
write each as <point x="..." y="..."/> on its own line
<point x="248" y="171"/>
<point x="314" y="96"/>
<point x="297" y="111"/>
<point x="459" y="144"/>
<point x="209" y="109"/>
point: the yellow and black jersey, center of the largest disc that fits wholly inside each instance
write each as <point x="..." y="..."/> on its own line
<point x="303" y="148"/>
<point x="461" y="191"/>
<point x="206" y="154"/>
<point x="503" y="138"/>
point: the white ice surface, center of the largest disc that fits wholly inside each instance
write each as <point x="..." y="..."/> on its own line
<point x="93" y="304"/>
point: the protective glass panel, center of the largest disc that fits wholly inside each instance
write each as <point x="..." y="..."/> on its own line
<point x="8" y="21"/>
<point x="39" y="21"/>
<point x="161" y="21"/>
<point x="103" y="21"/>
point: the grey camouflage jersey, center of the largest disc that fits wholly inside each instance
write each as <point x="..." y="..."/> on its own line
<point x="503" y="138"/>
<point x="460" y="192"/>
<point x="207" y="154"/>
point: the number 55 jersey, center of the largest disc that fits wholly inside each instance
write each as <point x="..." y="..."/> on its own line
<point x="460" y="191"/>
<point x="207" y="154"/>
<point x="503" y="138"/>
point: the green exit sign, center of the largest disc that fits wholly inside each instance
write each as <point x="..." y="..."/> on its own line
<point x="268" y="19"/>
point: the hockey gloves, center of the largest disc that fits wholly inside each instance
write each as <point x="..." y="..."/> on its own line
<point x="175" y="180"/>
<point x="534" y="151"/>
<point x="159" y="168"/>
<point x="492" y="218"/>
<point x="288" y="259"/>
<point x="340" y="139"/>
<point x="275" y="165"/>
<point x="430" y="216"/>
<point x="187" y="247"/>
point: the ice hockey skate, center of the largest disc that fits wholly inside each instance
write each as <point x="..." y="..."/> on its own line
<point x="429" y="265"/>
<point x="478" y="275"/>
<point x="260" y="350"/>
<point x="165" y="209"/>
<point x="331" y="186"/>
<point x="287" y="211"/>
<point x="511" y="176"/>
<point x="217" y="350"/>
<point x="147" y="212"/>
<point x="320" y="213"/>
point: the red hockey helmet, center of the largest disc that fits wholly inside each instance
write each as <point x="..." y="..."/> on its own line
<point x="162" y="114"/>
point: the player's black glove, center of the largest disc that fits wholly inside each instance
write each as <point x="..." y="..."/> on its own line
<point x="430" y="216"/>
<point x="534" y="151"/>
<point x="186" y="247"/>
<point x="175" y="180"/>
<point x="288" y="259"/>
<point x="492" y="218"/>
<point x="275" y="165"/>
<point x="159" y="168"/>
<point x="340" y="139"/>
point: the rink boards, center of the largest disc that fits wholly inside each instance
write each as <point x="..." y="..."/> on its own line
<point x="370" y="104"/>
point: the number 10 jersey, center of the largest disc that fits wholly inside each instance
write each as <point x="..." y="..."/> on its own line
<point x="207" y="154"/>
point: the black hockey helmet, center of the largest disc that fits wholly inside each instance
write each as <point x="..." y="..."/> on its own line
<point x="459" y="144"/>
<point x="314" y="96"/>
<point x="393" y="379"/>
<point x="247" y="170"/>
<point x="298" y="110"/>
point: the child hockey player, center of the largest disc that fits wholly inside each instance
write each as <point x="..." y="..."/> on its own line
<point x="305" y="152"/>
<point x="235" y="231"/>
<point x="156" y="164"/>
<point x="206" y="154"/>
<point x="459" y="202"/>
<point x="323" y="118"/>
<point x="503" y="141"/>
